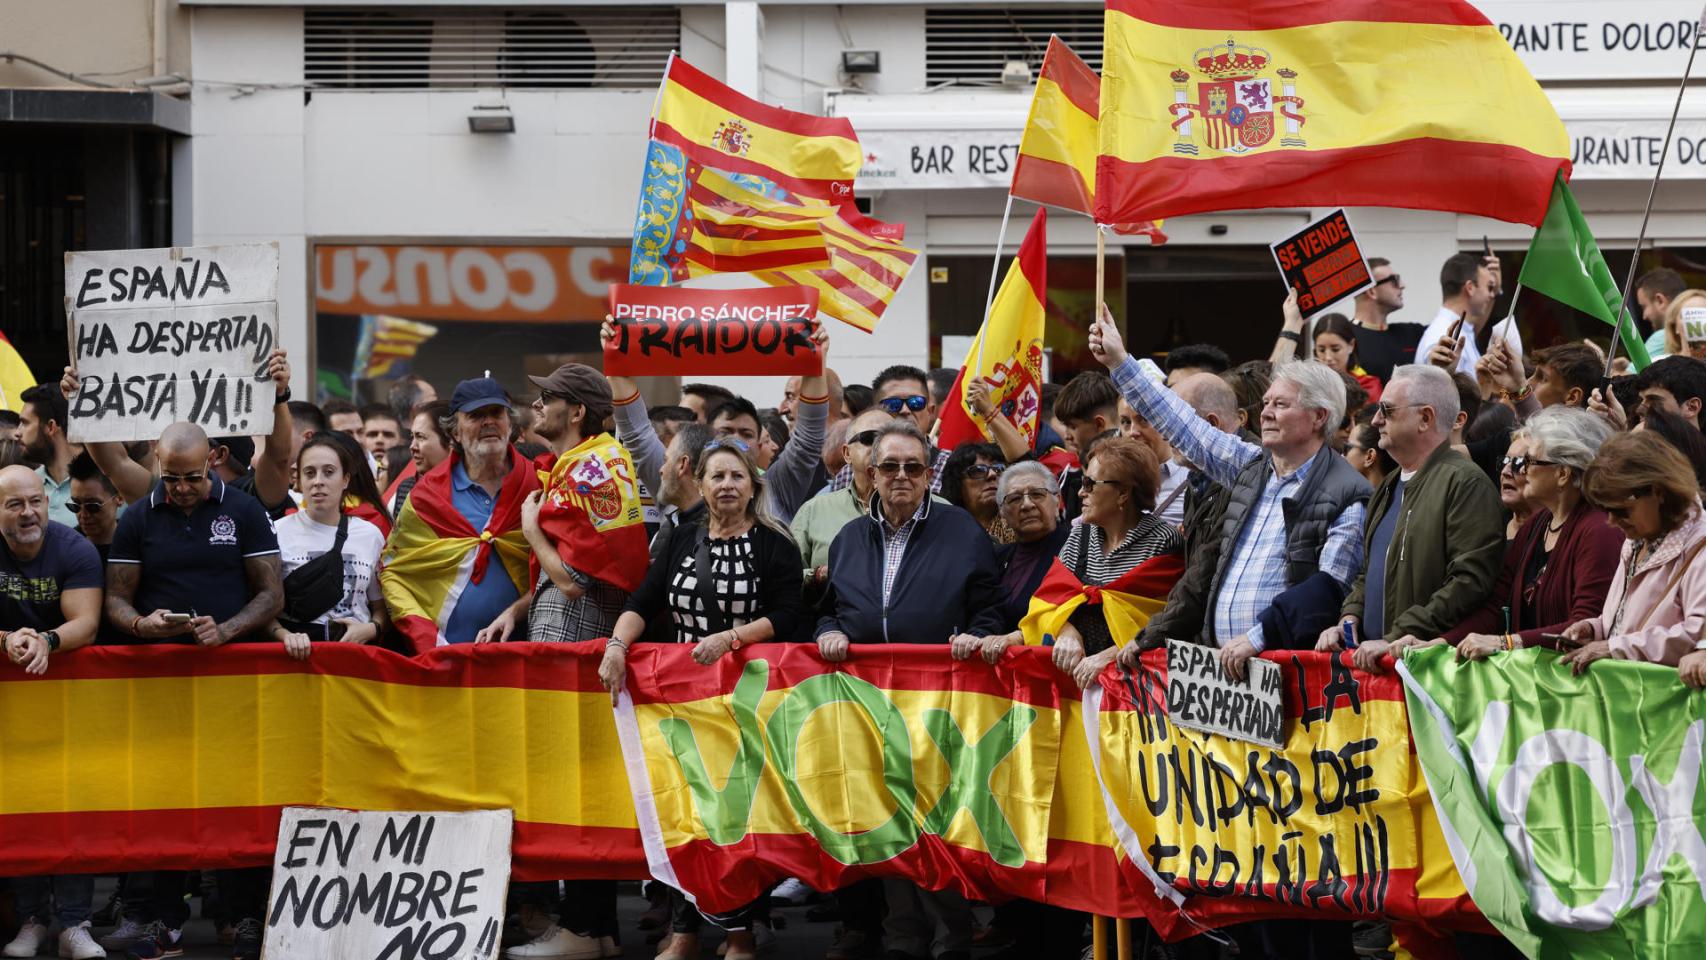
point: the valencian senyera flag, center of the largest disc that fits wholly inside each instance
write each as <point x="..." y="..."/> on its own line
<point x="1212" y="106"/>
<point x="1007" y="353"/>
<point x="1572" y="804"/>
<point x="593" y="511"/>
<point x="695" y="219"/>
<point x="386" y="346"/>
<point x="1057" y="151"/>
<point x="1126" y="604"/>
<point x="1000" y="781"/>
<point x="433" y="554"/>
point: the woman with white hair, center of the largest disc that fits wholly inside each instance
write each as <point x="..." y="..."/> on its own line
<point x="1558" y="568"/>
<point x="1030" y="504"/>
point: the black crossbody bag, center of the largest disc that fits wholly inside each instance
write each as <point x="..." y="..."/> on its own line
<point x="313" y="589"/>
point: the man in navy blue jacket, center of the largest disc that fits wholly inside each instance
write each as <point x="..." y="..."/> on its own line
<point x="911" y="571"/>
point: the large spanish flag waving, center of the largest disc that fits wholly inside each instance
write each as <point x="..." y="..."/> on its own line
<point x="433" y="554"/>
<point x="809" y="156"/>
<point x="1219" y="105"/>
<point x="1008" y="351"/>
<point x="592" y="511"/>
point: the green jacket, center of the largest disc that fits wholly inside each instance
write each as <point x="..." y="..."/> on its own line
<point x="1445" y="550"/>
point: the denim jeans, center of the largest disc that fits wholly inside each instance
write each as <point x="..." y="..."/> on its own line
<point x="73" y="896"/>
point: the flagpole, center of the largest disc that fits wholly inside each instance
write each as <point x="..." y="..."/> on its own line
<point x="976" y="364"/>
<point x="1652" y="193"/>
<point x="1509" y="319"/>
<point x="1101" y="269"/>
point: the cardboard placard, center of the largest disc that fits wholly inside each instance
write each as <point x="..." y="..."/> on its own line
<point x="673" y="330"/>
<point x="1323" y="263"/>
<point x="369" y="884"/>
<point x="1694" y="324"/>
<point x="169" y="335"/>
<point x="1202" y="697"/>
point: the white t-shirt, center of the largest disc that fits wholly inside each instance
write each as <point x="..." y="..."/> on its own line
<point x="1441" y="325"/>
<point x="301" y="539"/>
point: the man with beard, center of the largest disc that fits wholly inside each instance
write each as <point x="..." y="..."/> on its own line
<point x="50" y="600"/>
<point x="94" y="502"/>
<point x="470" y="504"/>
<point x="41" y="431"/>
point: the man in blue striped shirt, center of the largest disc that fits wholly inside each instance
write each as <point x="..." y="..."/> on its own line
<point x="1291" y="544"/>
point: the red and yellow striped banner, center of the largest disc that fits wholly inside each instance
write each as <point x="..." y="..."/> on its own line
<point x="1215" y="106"/>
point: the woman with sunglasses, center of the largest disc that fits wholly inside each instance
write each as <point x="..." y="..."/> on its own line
<point x="1513" y="490"/>
<point x="731" y="580"/>
<point x="1656" y="608"/>
<point x="969" y="481"/>
<point x="1558" y="568"/>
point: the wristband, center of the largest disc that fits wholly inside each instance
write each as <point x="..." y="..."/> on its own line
<point x="136" y="626"/>
<point x="1291" y="335"/>
<point x="613" y="642"/>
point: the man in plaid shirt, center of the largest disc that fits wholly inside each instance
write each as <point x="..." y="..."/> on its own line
<point x="1294" y="541"/>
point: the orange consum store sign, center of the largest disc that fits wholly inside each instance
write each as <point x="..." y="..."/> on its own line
<point x="452" y="282"/>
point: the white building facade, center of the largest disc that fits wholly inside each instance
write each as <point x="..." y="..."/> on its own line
<point x="349" y="141"/>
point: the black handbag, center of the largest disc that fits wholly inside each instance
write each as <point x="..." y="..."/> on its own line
<point x="313" y="589"/>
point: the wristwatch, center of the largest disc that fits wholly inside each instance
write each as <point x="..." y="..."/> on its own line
<point x="52" y="638"/>
<point x="282" y="397"/>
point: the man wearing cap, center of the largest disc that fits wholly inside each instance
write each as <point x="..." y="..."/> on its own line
<point x="584" y="581"/>
<point x="458" y="542"/>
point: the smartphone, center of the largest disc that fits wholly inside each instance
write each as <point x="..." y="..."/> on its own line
<point x="1457" y="328"/>
<point x="1348" y="630"/>
<point x="1486" y="246"/>
<point x="177" y="618"/>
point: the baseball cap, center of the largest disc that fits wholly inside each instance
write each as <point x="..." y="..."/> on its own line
<point x="476" y="393"/>
<point x="580" y="384"/>
<point x="240" y="449"/>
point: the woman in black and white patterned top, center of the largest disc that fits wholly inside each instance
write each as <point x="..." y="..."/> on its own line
<point x="733" y="580"/>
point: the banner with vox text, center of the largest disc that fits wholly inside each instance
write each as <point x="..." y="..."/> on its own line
<point x="1008" y="781"/>
<point x="1571" y="804"/>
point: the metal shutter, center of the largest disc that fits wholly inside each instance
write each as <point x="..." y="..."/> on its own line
<point x="969" y="45"/>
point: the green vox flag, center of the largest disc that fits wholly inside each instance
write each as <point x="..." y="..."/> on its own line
<point x="1572" y="806"/>
<point x="1565" y="264"/>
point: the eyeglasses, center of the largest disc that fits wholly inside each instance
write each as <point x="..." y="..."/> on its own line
<point x="894" y="405"/>
<point x="1088" y="484"/>
<point x="1392" y="280"/>
<point x="1622" y="513"/>
<point x="547" y="397"/>
<point x="1028" y="496"/>
<point x="981" y="471"/>
<point x="912" y="468"/>
<point x="1521" y="464"/>
<point x="172" y="479"/>
<point x="1388" y="409"/>
<point x="863" y="438"/>
<point x="87" y="506"/>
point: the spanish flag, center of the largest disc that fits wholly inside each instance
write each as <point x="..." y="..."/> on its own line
<point x="1057" y="151"/>
<point x="1008" y="351"/>
<point x="433" y="554"/>
<point x="15" y="376"/>
<point x="1127" y="603"/>
<point x="592" y="511"/>
<point x="810" y="156"/>
<point x="1212" y="106"/>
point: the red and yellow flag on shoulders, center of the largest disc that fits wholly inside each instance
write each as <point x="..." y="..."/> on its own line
<point x="1266" y="103"/>
<point x="1008" y="351"/>
<point x="15" y="376"/>
<point x="592" y="511"/>
<point x="1127" y="603"/>
<point x="433" y="553"/>
<point x="810" y="156"/>
<point x="1057" y="152"/>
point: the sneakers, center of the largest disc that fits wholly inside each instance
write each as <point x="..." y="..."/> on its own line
<point x="558" y="944"/>
<point x="157" y="941"/>
<point x="791" y="893"/>
<point x="28" y="941"/>
<point x="246" y="944"/>
<point x="126" y="933"/>
<point x="76" y="944"/>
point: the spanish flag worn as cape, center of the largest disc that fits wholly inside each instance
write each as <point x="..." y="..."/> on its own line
<point x="592" y="511"/>
<point x="1128" y="602"/>
<point x="433" y="554"/>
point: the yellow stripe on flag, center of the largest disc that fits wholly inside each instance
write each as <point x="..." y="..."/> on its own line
<point x="816" y="158"/>
<point x="1059" y="131"/>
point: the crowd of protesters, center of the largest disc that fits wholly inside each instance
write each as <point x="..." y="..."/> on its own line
<point x="1373" y="485"/>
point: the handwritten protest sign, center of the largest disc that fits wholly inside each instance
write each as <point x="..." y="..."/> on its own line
<point x="1694" y="324"/>
<point x="672" y="330"/>
<point x="169" y="335"/>
<point x="1323" y="263"/>
<point x="1201" y="696"/>
<point x="362" y="885"/>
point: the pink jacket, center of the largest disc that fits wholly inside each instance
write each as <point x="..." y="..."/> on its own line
<point x="1662" y="615"/>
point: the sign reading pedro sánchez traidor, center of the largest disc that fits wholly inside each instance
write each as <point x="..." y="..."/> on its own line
<point x="169" y="335"/>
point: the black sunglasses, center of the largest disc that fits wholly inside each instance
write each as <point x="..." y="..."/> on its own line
<point x="894" y="405"/>
<point x="1521" y="464"/>
<point x="912" y="468"/>
<point x="1392" y="280"/>
<point x="87" y="506"/>
<point x="980" y="471"/>
<point x="1088" y="484"/>
<point x="1622" y="513"/>
<point x="864" y="437"/>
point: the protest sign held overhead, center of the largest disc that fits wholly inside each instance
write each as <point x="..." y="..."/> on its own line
<point x="369" y="884"/>
<point x="168" y="335"/>
<point x="670" y="330"/>
<point x="1323" y="263"/>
